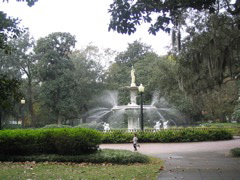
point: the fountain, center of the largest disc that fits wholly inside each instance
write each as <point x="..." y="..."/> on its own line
<point x="117" y="115"/>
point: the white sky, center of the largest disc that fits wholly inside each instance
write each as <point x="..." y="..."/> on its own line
<point x="86" y="19"/>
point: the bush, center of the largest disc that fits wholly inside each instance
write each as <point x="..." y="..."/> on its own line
<point x="11" y="126"/>
<point x="117" y="157"/>
<point x="235" y="152"/>
<point x="170" y="135"/>
<point x="56" y="126"/>
<point x="69" y="141"/>
<point x="117" y="136"/>
<point x="103" y="156"/>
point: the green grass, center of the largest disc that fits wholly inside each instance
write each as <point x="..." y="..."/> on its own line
<point x="105" y="164"/>
<point x="32" y="170"/>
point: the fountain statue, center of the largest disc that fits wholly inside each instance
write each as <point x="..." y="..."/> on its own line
<point x="157" y="126"/>
<point x="165" y="126"/>
<point x="118" y="115"/>
<point x="106" y="127"/>
<point x="133" y="82"/>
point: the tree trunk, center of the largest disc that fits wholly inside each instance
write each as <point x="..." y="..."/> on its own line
<point x="59" y="122"/>
<point x="30" y="103"/>
<point x="223" y="118"/>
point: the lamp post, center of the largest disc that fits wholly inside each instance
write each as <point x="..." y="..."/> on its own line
<point x="22" y="104"/>
<point x="141" y="90"/>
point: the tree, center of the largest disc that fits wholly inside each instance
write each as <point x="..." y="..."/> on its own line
<point x="134" y="52"/>
<point x="210" y="53"/>
<point x="8" y="93"/>
<point x="208" y="62"/>
<point x="56" y="74"/>
<point x="207" y="58"/>
<point x="127" y="14"/>
<point x="142" y="58"/>
<point x="9" y="28"/>
<point x="88" y="75"/>
<point x="24" y="61"/>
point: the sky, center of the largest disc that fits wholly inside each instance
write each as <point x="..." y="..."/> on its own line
<point x="86" y="19"/>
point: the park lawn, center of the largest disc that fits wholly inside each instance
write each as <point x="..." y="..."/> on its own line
<point x="47" y="170"/>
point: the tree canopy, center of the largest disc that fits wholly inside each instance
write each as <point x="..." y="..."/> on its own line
<point x="9" y="27"/>
<point x="126" y="15"/>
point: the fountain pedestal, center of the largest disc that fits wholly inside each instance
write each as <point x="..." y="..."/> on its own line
<point x="133" y="114"/>
<point x="133" y="118"/>
<point x="133" y="123"/>
<point x="133" y="95"/>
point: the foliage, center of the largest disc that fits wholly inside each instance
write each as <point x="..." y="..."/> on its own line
<point x="171" y="135"/>
<point x="236" y="111"/>
<point x="205" y="63"/>
<point x="9" y="91"/>
<point x="49" y="126"/>
<point x="208" y="64"/>
<point x="11" y="126"/>
<point x="9" y="28"/>
<point x="29" y="2"/>
<point x="222" y="125"/>
<point x="56" y="73"/>
<point x="135" y="52"/>
<point x="54" y="170"/>
<point x="214" y="61"/>
<point x="69" y="141"/>
<point x="127" y="15"/>
<point x="88" y="76"/>
<point x="21" y="64"/>
<point x="235" y="152"/>
<point x="142" y="58"/>
<point x="101" y="156"/>
<point x="233" y="128"/>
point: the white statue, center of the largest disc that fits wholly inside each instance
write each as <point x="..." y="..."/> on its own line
<point x="157" y="126"/>
<point x="165" y="125"/>
<point x="106" y="127"/>
<point x="133" y="82"/>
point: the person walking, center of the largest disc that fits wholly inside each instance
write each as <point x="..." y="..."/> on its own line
<point x="135" y="142"/>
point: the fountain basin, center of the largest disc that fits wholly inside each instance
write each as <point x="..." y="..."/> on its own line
<point x="133" y="107"/>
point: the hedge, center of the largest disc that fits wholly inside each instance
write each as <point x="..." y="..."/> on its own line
<point x="77" y="141"/>
<point x="235" y="152"/>
<point x="170" y="135"/>
<point x="103" y="156"/>
<point x="70" y="141"/>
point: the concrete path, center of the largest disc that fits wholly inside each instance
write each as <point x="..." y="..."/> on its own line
<point x="192" y="161"/>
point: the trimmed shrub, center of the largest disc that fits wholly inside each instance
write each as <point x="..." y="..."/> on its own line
<point x="57" y="126"/>
<point x="235" y="152"/>
<point x="103" y="156"/>
<point x="117" y="136"/>
<point x="170" y="135"/>
<point x="71" y="141"/>
<point x="11" y="126"/>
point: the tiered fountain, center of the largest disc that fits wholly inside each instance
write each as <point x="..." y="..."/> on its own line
<point x="133" y="109"/>
<point x="116" y="113"/>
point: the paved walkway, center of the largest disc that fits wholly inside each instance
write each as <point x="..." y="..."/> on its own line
<point x="192" y="161"/>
